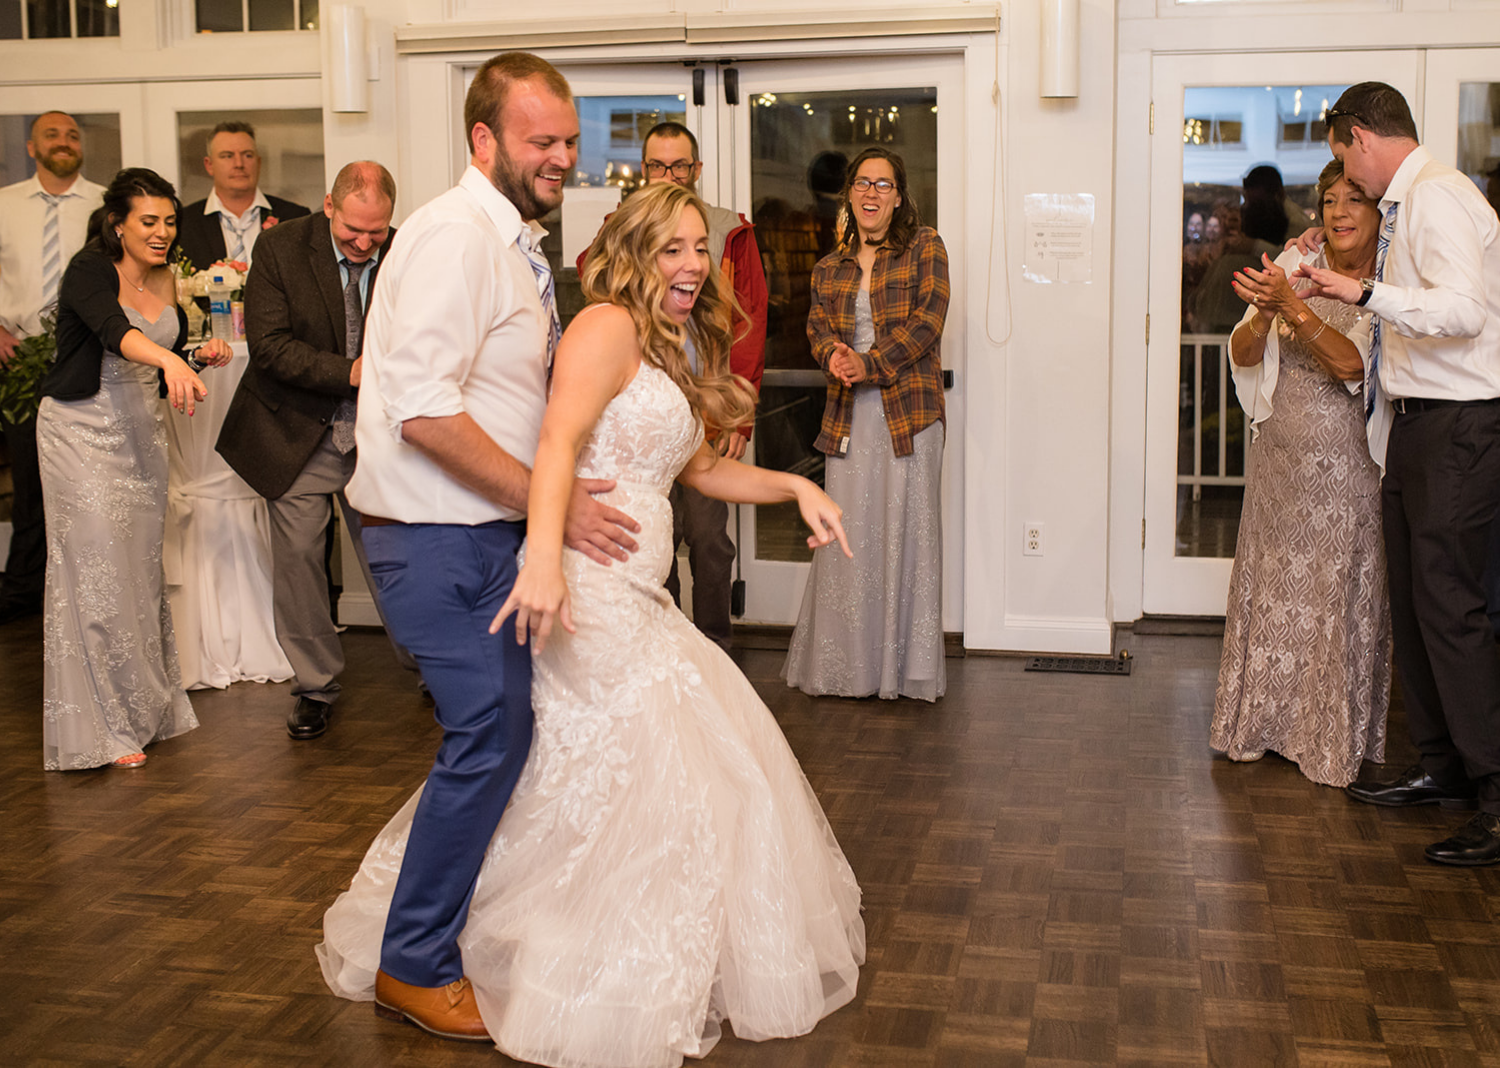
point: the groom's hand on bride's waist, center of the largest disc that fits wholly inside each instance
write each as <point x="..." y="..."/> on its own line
<point x="595" y="529"/>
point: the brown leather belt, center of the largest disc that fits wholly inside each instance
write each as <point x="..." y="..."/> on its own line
<point x="379" y="521"/>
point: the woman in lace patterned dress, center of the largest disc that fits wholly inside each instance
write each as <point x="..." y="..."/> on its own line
<point x="110" y="684"/>
<point x="1306" y="667"/>
<point x="663" y="864"/>
<point x="874" y="624"/>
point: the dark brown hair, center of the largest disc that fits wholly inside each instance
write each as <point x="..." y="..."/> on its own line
<point x="1372" y="106"/>
<point x="119" y="198"/>
<point x="905" y="219"/>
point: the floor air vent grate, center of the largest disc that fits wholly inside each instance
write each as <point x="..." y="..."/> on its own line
<point x="1081" y="665"/>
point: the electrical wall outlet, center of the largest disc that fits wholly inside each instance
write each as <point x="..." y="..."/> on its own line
<point x="1031" y="539"/>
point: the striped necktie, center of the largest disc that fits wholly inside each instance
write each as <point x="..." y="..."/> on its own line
<point x="1382" y="246"/>
<point x="531" y="244"/>
<point x="51" y="249"/>
<point x="237" y="250"/>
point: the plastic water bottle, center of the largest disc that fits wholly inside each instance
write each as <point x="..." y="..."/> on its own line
<point x="220" y="316"/>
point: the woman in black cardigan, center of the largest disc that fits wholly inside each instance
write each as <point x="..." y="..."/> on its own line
<point x="110" y="681"/>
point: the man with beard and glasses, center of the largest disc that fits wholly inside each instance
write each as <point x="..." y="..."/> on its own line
<point x="457" y="348"/>
<point x="42" y="223"/>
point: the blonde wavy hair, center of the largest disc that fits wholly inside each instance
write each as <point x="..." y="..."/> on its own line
<point x="621" y="269"/>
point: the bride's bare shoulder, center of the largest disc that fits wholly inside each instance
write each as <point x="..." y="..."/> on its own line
<point x="601" y="338"/>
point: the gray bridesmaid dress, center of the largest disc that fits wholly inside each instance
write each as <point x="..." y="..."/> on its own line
<point x="874" y="624"/>
<point x="110" y="683"/>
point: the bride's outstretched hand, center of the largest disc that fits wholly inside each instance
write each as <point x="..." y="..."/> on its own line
<point x="538" y="597"/>
<point x="823" y="516"/>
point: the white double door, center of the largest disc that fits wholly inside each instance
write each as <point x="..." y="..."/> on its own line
<point x="1211" y="126"/>
<point x="776" y="154"/>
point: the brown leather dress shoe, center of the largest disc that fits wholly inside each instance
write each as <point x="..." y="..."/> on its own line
<point x="446" y="1011"/>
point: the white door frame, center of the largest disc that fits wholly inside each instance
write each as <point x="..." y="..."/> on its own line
<point x="1172" y="584"/>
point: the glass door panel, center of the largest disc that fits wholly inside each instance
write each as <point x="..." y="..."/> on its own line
<point x="800" y="146"/>
<point x="1239" y="144"/>
<point x="1462" y="115"/>
<point x="800" y="124"/>
<point x="617" y="105"/>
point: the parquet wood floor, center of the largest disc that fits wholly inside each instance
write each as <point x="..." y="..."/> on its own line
<point x="1056" y="872"/>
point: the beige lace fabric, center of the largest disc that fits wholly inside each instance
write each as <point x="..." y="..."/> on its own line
<point x="1306" y="667"/>
<point x="110" y="680"/>
<point x="663" y="864"/>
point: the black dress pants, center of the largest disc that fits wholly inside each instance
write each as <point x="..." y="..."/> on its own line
<point x="1439" y="498"/>
<point x="26" y="565"/>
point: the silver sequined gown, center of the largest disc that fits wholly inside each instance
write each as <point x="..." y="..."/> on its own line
<point x="663" y="865"/>
<point x="874" y="624"/>
<point x="110" y="683"/>
<point x="1306" y="667"/>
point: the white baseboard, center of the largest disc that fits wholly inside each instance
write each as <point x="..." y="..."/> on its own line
<point x="357" y="609"/>
<point x="1045" y="634"/>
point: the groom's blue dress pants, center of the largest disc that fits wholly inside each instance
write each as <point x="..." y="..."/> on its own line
<point x="440" y="586"/>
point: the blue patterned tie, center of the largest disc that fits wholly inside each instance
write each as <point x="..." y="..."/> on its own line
<point x="237" y="250"/>
<point x="51" y="249"/>
<point x="531" y="244"/>
<point x="1382" y="246"/>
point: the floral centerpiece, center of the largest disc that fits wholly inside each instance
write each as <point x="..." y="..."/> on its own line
<point x="192" y="287"/>
<point x="21" y="377"/>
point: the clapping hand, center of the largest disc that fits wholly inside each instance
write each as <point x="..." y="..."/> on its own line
<point x="845" y="365"/>
<point x="1267" y="289"/>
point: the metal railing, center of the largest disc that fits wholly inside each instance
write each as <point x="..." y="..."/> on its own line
<point x="1209" y="347"/>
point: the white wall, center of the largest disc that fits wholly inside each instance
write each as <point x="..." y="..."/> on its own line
<point x="1055" y="390"/>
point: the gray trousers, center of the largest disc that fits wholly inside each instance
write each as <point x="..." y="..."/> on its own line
<point x="703" y="523"/>
<point x="304" y="618"/>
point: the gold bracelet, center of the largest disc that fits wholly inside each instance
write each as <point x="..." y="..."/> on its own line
<point x="1316" y="333"/>
<point x="1256" y="332"/>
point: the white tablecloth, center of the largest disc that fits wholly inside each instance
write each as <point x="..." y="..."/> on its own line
<point x="217" y="553"/>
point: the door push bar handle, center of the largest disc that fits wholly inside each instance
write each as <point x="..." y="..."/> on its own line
<point x="731" y="86"/>
<point x="698" y="90"/>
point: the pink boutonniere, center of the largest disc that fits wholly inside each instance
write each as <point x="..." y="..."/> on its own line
<point x="268" y="222"/>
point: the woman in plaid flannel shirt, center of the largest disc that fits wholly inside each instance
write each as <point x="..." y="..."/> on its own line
<point x="874" y="624"/>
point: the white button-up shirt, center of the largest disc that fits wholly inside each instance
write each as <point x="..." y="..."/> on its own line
<point x="249" y="223"/>
<point x="456" y="325"/>
<point x="1439" y="295"/>
<point x="23" y="213"/>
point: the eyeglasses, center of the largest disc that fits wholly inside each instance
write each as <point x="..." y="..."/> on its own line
<point x="880" y="185"/>
<point x="683" y="168"/>
<point x="1344" y="113"/>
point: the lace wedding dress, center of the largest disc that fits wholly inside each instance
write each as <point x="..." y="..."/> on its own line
<point x="663" y="863"/>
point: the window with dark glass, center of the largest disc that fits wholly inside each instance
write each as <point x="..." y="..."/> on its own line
<point x="236" y="16"/>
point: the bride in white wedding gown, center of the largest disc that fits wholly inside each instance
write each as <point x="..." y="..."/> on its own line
<point x="663" y="864"/>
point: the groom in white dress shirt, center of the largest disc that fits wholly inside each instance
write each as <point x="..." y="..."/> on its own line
<point x="1435" y="351"/>
<point x="458" y="345"/>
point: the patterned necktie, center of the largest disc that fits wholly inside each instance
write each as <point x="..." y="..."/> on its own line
<point x="51" y="250"/>
<point x="1382" y="246"/>
<point x="531" y="244"/>
<point x="354" y="336"/>
<point x="237" y="249"/>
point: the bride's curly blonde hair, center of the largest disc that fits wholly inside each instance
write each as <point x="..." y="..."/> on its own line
<point x="621" y="269"/>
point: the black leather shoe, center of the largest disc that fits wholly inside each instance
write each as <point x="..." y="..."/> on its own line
<point x="1412" y="787"/>
<point x="1476" y="844"/>
<point x="309" y="719"/>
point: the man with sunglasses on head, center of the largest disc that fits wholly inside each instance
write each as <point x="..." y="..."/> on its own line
<point x="1435" y="352"/>
<point x="670" y="154"/>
